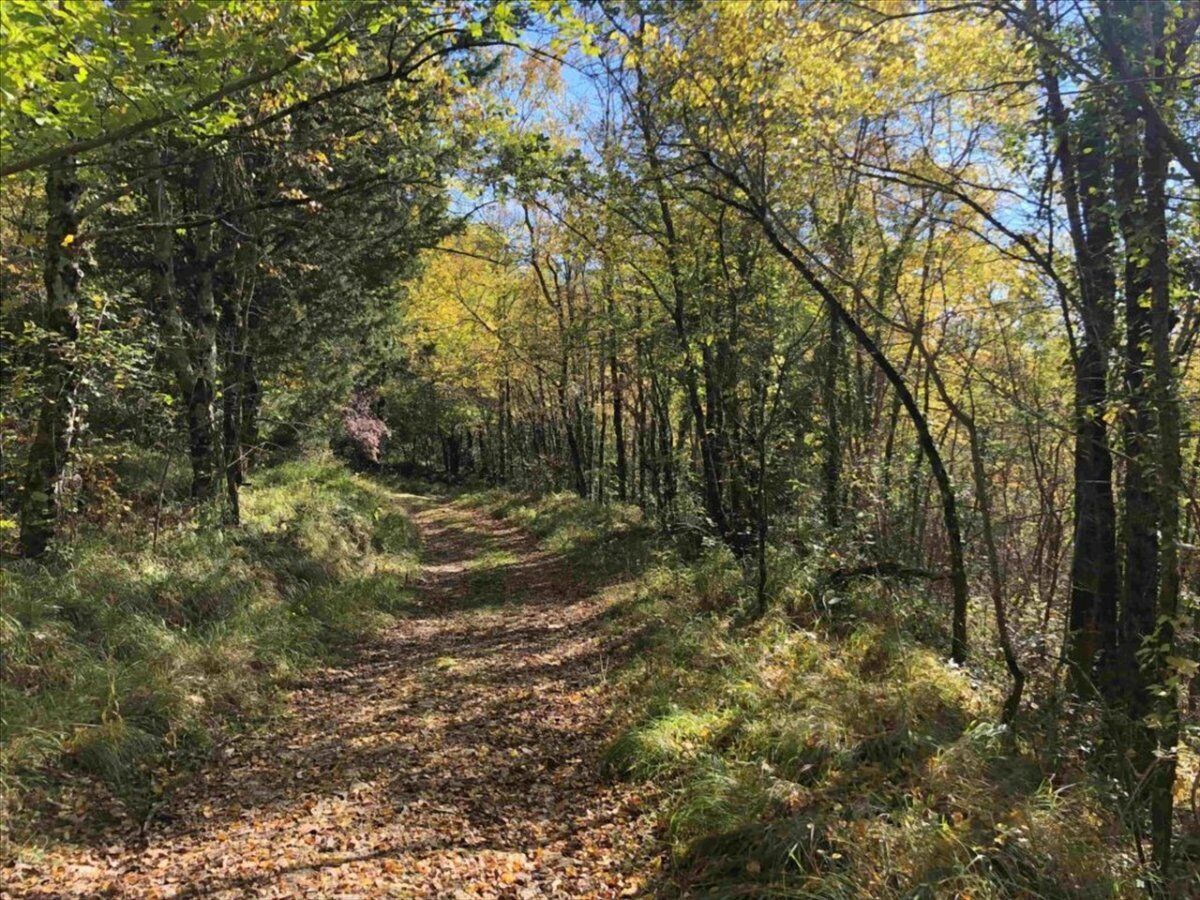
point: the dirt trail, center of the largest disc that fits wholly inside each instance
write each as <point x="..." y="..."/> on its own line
<point x="455" y="756"/>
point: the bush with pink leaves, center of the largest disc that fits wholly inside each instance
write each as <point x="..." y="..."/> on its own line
<point x="361" y="437"/>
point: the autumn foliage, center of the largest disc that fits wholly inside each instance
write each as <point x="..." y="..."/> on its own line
<point x="363" y="434"/>
<point x="809" y="389"/>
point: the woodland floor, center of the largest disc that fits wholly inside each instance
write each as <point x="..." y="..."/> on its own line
<point x="457" y="754"/>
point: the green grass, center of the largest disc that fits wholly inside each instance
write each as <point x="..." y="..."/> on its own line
<point x="486" y="589"/>
<point x="824" y="749"/>
<point x="601" y="541"/>
<point x="490" y="560"/>
<point x="120" y="663"/>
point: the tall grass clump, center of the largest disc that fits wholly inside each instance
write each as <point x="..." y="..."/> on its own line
<point x="830" y="761"/>
<point x="825" y="748"/>
<point x="121" y="661"/>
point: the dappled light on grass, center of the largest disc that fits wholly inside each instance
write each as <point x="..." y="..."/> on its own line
<point x="833" y="760"/>
<point x="122" y="662"/>
<point x="456" y="748"/>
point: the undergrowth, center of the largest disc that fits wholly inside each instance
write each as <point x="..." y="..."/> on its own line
<point x="824" y="751"/>
<point x="120" y="663"/>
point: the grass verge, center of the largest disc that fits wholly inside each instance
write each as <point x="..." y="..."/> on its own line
<point x="818" y="752"/>
<point x="120" y="664"/>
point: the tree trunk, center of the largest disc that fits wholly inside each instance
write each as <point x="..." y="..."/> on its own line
<point x="1095" y="582"/>
<point x="1139" y="586"/>
<point x="164" y="301"/>
<point x="236" y="370"/>
<point x="958" y="572"/>
<point x="831" y="467"/>
<point x="1153" y="473"/>
<point x="57" y="423"/>
<point x="1092" y="620"/>
<point x="618" y="401"/>
<point x="1169" y="466"/>
<point x="251" y="393"/>
<point x="1012" y="703"/>
<point x="200" y="324"/>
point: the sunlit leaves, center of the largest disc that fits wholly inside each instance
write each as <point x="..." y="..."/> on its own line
<point x="74" y="69"/>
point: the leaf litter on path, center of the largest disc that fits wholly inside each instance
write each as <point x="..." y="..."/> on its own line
<point x="457" y="755"/>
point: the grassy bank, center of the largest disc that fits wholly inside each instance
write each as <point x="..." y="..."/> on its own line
<point x="826" y="751"/>
<point x="121" y="662"/>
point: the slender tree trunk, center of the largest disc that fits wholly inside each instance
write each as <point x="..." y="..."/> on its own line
<point x="1153" y="467"/>
<point x="1169" y="484"/>
<point x="164" y="300"/>
<point x="57" y="423"/>
<point x="505" y="426"/>
<point x="251" y="393"/>
<point x="958" y="571"/>
<point x="1139" y="588"/>
<point x="201" y="332"/>
<point x="231" y="430"/>
<point x="640" y="442"/>
<point x="1092" y="619"/>
<point x="601" y="442"/>
<point x="235" y="380"/>
<point x="235" y="330"/>
<point x="762" y="522"/>
<point x="1094" y="579"/>
<point x="578" y="479"/>
<point x="1012" y="702"/>
<point x="831" y="467"/>
<point x="1094" y="576"/>
<point x="618" y="404"/>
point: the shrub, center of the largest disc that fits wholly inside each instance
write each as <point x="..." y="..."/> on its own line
<point x="361" y="438"/>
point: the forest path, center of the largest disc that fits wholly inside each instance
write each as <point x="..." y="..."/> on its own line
<point x="456" y="755"/>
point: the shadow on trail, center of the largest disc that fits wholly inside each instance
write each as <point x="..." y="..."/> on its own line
<point x="461" y="747"/>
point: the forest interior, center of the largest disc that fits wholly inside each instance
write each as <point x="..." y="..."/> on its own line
<point x="600" y="448"/>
